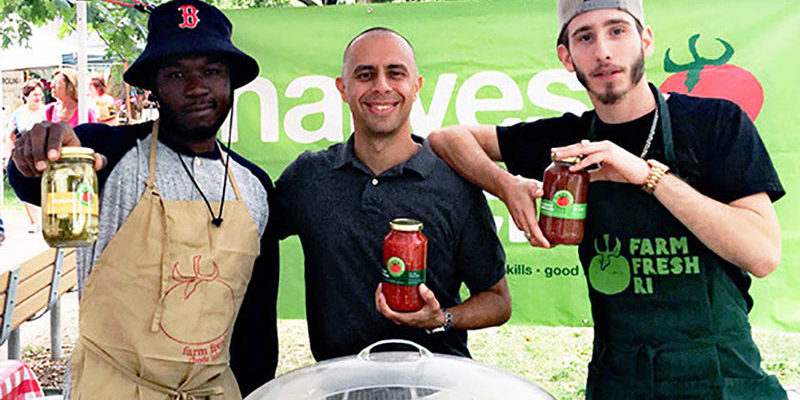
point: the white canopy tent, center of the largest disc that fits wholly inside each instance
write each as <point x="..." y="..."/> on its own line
<point x="45" y="49"/>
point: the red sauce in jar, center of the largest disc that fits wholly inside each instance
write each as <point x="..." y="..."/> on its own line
<point x="405" y="255"/>
<point x="563" y="208"/>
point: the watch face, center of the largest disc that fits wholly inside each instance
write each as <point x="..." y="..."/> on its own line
<point x="448" y="323"/>
<point x="448" y="320"/>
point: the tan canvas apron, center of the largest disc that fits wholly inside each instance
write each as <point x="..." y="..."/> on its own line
<point x="159" y="306"/>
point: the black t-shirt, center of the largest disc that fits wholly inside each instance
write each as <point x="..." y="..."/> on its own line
<point x="718" y="150"/>
<point x="717" y="146"/>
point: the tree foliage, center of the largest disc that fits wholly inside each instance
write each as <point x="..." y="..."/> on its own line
<point x="123" y="29"/>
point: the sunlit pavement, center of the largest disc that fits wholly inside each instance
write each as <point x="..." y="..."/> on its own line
<point x="19" y="244"/>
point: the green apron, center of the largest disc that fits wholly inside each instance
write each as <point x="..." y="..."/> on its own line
<point x="670" y="323"/>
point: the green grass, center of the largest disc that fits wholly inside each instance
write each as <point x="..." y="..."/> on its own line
<point x="555" y="358"/>
<point x="33" y="349"/>
<point x="780" y="355"/>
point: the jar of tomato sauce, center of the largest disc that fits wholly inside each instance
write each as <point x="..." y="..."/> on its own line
<point x="563" y="206"/>
<point x="405" y="255"/>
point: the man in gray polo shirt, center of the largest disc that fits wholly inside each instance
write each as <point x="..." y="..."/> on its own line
<point x="340" y="201"/>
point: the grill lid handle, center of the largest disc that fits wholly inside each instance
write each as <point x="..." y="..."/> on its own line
<point x="366" y="354"/>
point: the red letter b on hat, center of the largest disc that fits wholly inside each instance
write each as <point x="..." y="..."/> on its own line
<point x="189" y="14"/>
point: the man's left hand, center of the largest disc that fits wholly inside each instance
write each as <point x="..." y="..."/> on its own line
<point x="429" y="317"/>
<point x="617" y="164"/>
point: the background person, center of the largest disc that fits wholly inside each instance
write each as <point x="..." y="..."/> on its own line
<point x="65" y="91"/>
<point x="22" y="119"/>
<point x="683" y="198"/>
<point x="339" y="202"/>
<point x="105" y="105"/>
<point x="30" y="112"/>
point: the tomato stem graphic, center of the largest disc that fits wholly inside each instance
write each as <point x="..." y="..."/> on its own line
<point x="605" y="256"/>
<point x="693" y="68"/>
<point x="192" y="281"/>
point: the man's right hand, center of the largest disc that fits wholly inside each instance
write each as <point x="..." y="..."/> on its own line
<point x="519" y="196"/>
<point x="43" y="143"/>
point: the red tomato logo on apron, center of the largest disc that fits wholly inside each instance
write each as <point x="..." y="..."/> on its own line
<point x="203" y="294"/>
<point x="705" y="77"/>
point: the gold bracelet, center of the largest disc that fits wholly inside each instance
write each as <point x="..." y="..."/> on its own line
<point x="657" y="171"/>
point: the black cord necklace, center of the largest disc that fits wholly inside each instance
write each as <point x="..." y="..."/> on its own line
<point x="215" y="219"/>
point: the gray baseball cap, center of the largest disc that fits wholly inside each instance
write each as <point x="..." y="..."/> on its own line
<point x="569" y="9"/>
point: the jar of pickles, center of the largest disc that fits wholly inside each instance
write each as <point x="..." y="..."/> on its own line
<point x="405" y="255"/>
<point x="563" y="206"/>
<point x="69" y="199"/>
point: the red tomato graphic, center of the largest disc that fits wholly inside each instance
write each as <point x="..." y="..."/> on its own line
<point x="203" y="295"/>
<point x="714" y="78"/>
<point x="86" y="197"/>
<point x="395" y="268"/>
<point x="563" y="201"/>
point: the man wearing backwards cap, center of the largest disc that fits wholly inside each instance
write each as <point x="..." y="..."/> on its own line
<point x="181" y="229"/>
<point x="683" y="193"/>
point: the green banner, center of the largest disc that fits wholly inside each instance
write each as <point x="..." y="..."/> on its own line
<point x="494" y="62"/>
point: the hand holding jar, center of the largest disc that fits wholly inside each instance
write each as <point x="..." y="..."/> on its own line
<point x="42" y="144"/>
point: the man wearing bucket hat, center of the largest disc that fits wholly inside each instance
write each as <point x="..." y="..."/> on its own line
<point x="182" y="228"/>
<point x="684" y="191"/>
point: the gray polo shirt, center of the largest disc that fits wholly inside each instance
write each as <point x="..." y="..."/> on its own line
<point x="341" y="212"/>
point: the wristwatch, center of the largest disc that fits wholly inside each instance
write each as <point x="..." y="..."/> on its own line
<point x="448" y="323"/>
<point x="657" y="171"/>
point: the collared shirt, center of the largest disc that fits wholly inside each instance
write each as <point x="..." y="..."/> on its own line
<point x="341" y="212"/>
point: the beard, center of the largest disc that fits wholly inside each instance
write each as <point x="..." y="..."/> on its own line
<point x="179" y="133"/>
<point x="609" y="95"/>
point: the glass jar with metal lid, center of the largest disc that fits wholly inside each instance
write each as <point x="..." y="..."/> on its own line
<point x="563" y="206"/>
<point x="405" y="254"/>
<point x="70" y="203"/>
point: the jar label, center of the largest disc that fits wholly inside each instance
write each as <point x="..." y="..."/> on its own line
<point x="397" y="274"/>
<point x="563" y="206"/>
<point x="81" y="201"/>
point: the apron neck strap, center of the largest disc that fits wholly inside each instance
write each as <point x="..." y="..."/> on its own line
<point x="666" y="130"/>
<point x="230" y="173"/>
<point x="151" y="178"/>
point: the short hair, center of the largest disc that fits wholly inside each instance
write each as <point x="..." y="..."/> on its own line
<point x="29" y="87"/>
<point x="99" y="83"/>
<point x="379" y="29"/>
<point x="563" y="39"/>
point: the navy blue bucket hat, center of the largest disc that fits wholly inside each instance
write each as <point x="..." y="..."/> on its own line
<point x="189" y="28"/>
